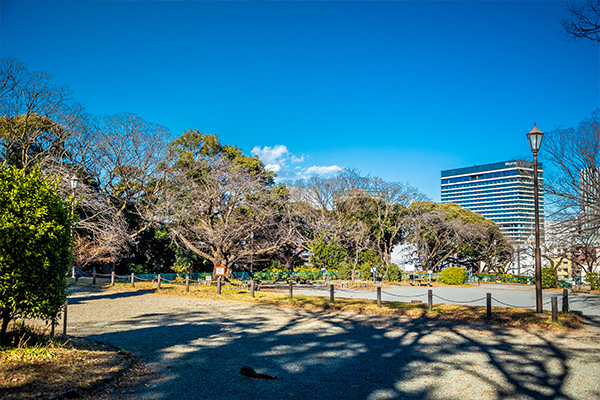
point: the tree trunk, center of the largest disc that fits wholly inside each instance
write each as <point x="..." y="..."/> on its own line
<point x="5" y="320"/>
<point x="355" y="264"/>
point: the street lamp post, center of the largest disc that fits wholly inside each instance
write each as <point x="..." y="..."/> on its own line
<point x="74" y="182"/>
<point x="535" y="142"/>
<point x="251" y="253"/>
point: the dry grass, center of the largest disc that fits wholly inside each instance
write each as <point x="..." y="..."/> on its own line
<point x="44" y="368"/>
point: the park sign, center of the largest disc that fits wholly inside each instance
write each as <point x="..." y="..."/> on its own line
<point x="219" y="271"/>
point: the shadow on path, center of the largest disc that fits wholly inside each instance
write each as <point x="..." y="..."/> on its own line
<point x="82" y="296"/>
<point x="325" y="356"/>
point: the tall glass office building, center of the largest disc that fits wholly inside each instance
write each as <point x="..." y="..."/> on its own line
<point x="501" y="192"/>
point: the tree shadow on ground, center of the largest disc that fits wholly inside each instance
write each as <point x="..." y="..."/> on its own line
<point x="82" y="296"/>
<point x="317" y="355"/>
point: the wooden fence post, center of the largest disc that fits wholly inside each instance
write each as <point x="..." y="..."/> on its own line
<point x="158" y="280"/>
<point x="489" y="305"/>
<point x="291" y="290"/>
<point x="132" y="280"/>
<point x="331" y="295"/>
<point x="430" y="299"/>
<point x="251" y="287"/>
<point x="187" y="283"/>
<point x="219" y="285"/>
<point x="94" y="276"/>
<point x="554" y="302"/>
<point x="378" y="296"/>
<point x="565" y="301"/>
<point x="112" y="278"/>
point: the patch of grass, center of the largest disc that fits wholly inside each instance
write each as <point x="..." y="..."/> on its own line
<point x="514" y="317"/>
<point x="36" y="366"/>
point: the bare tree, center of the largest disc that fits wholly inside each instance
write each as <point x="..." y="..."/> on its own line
<point x="36" y="116"/>
<point x="446" y="233"/>
<point x="213" y="207"/>
<point x="491" y="249"/>
<point x="123" y="154"/>
<point x="362" y="212"/>
<point x="574" y="187"/>
<point x="583" y="21"/>
<point x="101" y="232"/>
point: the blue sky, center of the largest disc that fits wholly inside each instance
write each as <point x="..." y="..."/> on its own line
<point x="399" y="90"/>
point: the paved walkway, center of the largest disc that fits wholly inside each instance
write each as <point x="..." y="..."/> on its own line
<point x="198" y="347"/>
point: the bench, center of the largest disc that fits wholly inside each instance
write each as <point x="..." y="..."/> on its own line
<point x="249" y="285"/>
<point x="420" y="282"/>
<point x="297" y="280"/>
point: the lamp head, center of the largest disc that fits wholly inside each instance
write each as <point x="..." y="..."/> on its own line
<point x="535" y="139"/>
<point x="74" y="182"/>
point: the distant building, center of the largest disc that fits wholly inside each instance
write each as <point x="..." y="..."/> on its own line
<point x="566" y="269"/>
<point x="501" y="192"/>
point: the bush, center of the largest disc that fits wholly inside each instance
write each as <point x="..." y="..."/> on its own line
<point x="549" y="278"/>
<point x="593" y="279"/>
<point x="393" y="273"/>
<point x="363" y="271"/>
<point x="327" y="254"/>
<point x="35" y="247"/>
<point x="454" y="276"/>
<point x="345" y="271"/>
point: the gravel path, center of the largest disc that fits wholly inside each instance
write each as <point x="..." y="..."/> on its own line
<point x="198" y="347"/>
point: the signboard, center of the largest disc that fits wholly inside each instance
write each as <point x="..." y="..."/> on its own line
<point x="219" y="271"/>
<point x="208" y="278"/>
<point x="430" y="272"/>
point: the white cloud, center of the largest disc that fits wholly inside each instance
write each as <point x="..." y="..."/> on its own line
<point x="295" y="159"/>
<point x="323" y="170"/>
<point x="273" y="167"/>
<point x="270" y="155"/>
<point x="279" y="159"/>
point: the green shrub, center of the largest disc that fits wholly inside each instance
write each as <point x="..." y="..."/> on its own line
<point x="35" y="247"/>
<point x="593" y="279"/>
<point x="549" y="279"/>
<point x="454" y="276"/>
<point x="138" y="269"/>
<point x="327" y="254"/>
<point x="363" y="271"/>
<point x="393" y="273"/>
<point x="344" y="270"/>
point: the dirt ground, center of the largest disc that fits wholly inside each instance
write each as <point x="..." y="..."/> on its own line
<point x="195" y="349"/>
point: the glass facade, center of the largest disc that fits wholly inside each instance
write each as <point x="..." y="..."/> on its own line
<point x="501" y="192"/>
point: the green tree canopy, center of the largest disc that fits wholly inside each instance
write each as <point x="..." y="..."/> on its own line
<point x="35" y="246"/>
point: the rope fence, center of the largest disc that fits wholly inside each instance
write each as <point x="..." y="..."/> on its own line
<point x="431" y="295"/>
<point x="458" y="301"/>
<point x="254" y="285"/>
<point x="330" y="286"/>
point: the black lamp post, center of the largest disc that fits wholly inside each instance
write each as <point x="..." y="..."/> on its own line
<point x="535" y="142"/>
